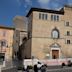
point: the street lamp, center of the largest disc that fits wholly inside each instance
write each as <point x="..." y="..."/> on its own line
<point x="47" y="55"/>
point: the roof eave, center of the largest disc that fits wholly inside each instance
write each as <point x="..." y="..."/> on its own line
<point x="44" y="10"/>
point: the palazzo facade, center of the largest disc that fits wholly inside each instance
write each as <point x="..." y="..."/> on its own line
<point x="49" y="33"/>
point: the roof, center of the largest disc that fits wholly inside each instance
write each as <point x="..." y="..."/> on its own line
<point x="69" y="6"/>
<point x="6" y="27"/>
<point x="45" y="10"/>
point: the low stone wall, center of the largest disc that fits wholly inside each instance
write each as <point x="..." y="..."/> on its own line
<point x="9" y="69"/>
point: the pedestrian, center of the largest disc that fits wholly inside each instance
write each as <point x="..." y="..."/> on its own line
<point x="43" y="68"/>
<point x="35" y="68"/>
<point x="27" y="70"/>
<point x="63" y="64"/>
<point x="25" y="67"/>
<point x="39" y="66"/>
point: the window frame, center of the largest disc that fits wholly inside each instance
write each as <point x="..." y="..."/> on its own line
<point x="67" y="23"/>
<point x="57" y="17"/>
<point x="43" y="16"/>
<point x="54" y="17"/>
<point x="68" y="42"/>
<point x="46" y="16"/>
<point x="40" y="15"/>
<point x="52" y="34"/>
<point x="68" y="33"/>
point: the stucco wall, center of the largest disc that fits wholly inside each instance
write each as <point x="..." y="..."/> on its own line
<point x="8" y="37"/>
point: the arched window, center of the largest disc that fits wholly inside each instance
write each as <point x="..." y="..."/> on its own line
<point x="55" y="33"/>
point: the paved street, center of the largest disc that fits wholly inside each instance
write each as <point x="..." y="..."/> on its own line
<point x="66" y="69"/>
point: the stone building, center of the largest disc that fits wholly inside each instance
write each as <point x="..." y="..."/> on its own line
<point x="6" y="43"/>
<point x="49" y="33"/>
<point x="20" y="24"/>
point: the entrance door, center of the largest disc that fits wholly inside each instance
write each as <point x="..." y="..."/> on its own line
<point x="55" y="54"/>
<point x="2" y="56"/>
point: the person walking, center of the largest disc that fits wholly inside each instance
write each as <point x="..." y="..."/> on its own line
<point x="39" y="66"/>
<point x="35" y="68"/>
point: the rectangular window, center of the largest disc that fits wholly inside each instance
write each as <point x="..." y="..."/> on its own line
<point x="68" y="41"/>
<point x="46" y="16"/>
<point x="68" y="33"/>
<point x="57" y="18"/>
<point x="43" y="16"/>
<point x="67" y="23"/>
<point x="52" y="17"/>
<point x="39" y="15"/>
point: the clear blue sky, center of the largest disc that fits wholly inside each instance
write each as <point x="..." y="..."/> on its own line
<point x="11" y="8"/>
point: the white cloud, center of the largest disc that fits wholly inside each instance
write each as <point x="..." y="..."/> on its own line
<point x="24" y="2"/>
<point x="43" y="1"/>
<point x="28" y="2"/>
<point x="70" y="2"/>
<point x="51" y="4"/>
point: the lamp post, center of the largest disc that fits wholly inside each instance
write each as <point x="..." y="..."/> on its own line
<point x="32" y="60"/>
<point x="47" y="55"/>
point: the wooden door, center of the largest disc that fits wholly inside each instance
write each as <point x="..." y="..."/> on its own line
<point x="55" y="54"/>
